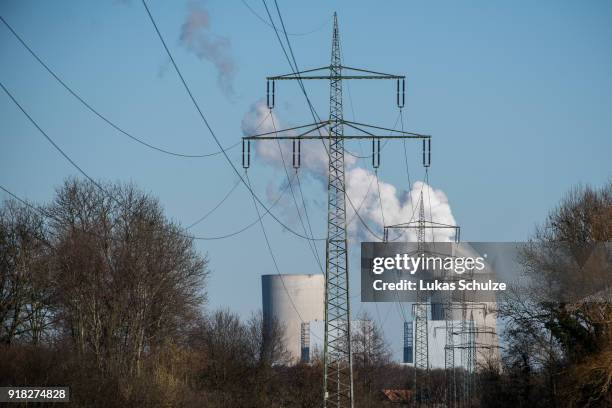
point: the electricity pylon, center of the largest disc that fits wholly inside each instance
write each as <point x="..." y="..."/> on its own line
<point x="420" y="312"/>
<point x="449" y="355"/>
<point x="421" y="333"/>
<point x="338" y="376"/>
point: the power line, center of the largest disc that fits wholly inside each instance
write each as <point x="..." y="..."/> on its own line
<point x="297" y="208"/>
<point x="39" y="211"/>
<point x="295" y="70"/>
<point x="311" y="244"/>
<point x="341" y="388"/>
<point x="413" y="210"/>
<point x="356" y="210"/>
<point x="259" y="219"/>
<point x="249" y="225"/>
<point x="271" y="252"/>
<point x="365" y="196"/>
<point x="312" y="111"/>
<point x="212" y="133"/>
<point x="299" y="183"/>
<point x="47" y="214"/>
<point x="223" y="151"/>
<point x="44" y="213"/>
<point x="93" y="110"/>
<point x="433" y="237"/>
<point x="90" y="107"/>
<point x="115" y="126"/>
<point x="111" y="196"/>
<point x="382" y="212"/>
<point x="100" y="115"/>
<point x="50" y="140"/>
<point x="354" y="117"/>
<point x="408" y="178"/>
<point x="212" y="210"/>
<point x="229" y="193"/>
<point x="406" y="155"/>
<point x="292" y="65"/>
<point x="59" y="149"/>
<point x="260" y="18"/>
<point x="24" y="202"/>
<point x="406" y="162"/>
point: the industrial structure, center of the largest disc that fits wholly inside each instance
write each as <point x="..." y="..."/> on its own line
<point x="466" y="325"/>
<point x="338" y="375"/>
<point x="293" y="302"/>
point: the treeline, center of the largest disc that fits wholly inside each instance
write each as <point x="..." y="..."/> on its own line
<point x="557" y="342"/>
<point x="99" y="291"/>
<point x="96" y="287"/>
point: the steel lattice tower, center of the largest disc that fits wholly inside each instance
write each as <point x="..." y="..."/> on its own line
<point x="449" y="347"/>
<point x="337" y="351"/>
<point x="420" y="311"/>
<point x="471" y="363"/>
<point x="338" y="377"/>
<point x="421" y="360"/>
<point x="449" y="355"/>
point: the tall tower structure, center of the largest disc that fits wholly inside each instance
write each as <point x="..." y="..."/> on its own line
<point x="337" y="350"/>
<point x="421" y="333"/>
<point x="338" y="377"/>
<point x="421" y="309"/>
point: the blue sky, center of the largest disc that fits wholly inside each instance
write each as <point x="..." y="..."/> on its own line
<point x="517" y="96"/>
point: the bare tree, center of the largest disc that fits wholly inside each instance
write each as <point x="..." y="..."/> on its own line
<point x="25" y="312"/>
<point x="559" y="325"/>
<point x="127" y="279"/>
<point x="371" y="354"/>
<point x="370" y="348"/>
<point x="267" y="341"/>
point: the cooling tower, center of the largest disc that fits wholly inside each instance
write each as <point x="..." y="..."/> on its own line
<point x="295" y="301"/>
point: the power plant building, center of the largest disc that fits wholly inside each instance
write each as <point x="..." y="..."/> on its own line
<point x="294" y="301"/>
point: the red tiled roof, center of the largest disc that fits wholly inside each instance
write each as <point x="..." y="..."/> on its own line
<point x="398" y="395"/>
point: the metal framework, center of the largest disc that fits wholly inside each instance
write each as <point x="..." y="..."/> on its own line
<point x="468" y="339"/>
<point x="449" y="357"/>
<point x="421" y="316"/>
<point x="338" y="377"/>
<point x="468" y="346"/>
<point x="458" y="394"/>
<point x="421" y="332"/>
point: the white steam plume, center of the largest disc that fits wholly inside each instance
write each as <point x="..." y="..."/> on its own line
<point x="197" y="37"/>
<point x="362" y="189"/>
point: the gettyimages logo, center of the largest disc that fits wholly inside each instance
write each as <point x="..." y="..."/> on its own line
<point x="413" y="264"/>
<point x="396" y="271"/>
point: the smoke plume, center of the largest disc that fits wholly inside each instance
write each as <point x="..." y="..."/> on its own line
<point x="197" y="37"/>
<point x="362" y="188"/>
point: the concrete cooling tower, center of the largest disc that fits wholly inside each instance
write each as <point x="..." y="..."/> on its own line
<point x="294" y="301"/>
